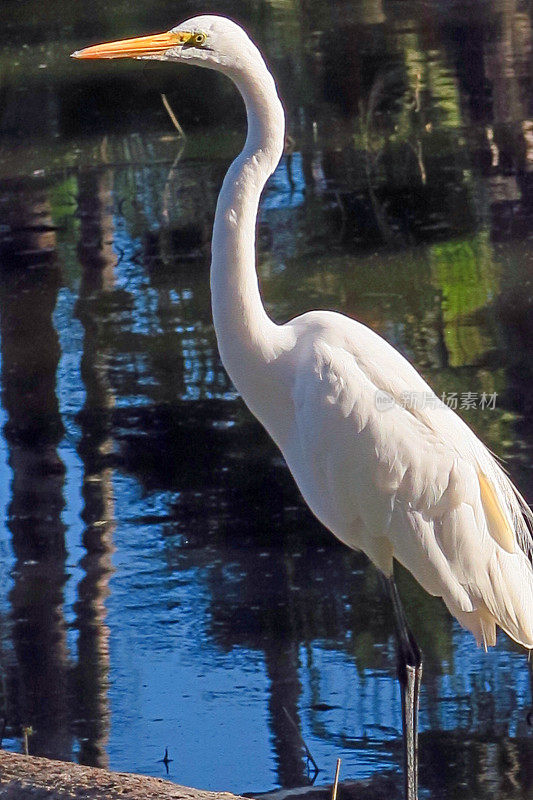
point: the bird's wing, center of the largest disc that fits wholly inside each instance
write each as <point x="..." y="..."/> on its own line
<point x="348" y="428"/>
<point x="509" y="518"/>
<point x="418" y="477"/>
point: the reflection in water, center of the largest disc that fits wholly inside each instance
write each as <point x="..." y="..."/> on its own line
<point x="282" y="671"/>
<point x="97" y="260"/>
<point x="404" y="200"/>
<point x="30" y="354"/>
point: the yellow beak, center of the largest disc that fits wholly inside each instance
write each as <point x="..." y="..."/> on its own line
<point x="134" y="48"/>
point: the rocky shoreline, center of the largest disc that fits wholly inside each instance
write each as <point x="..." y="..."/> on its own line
<point x="32" y="778"/>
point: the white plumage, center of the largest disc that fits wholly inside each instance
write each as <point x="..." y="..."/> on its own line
<point x="405" y="483"/>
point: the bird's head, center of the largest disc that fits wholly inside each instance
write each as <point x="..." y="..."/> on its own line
<point x="206" y="41"/>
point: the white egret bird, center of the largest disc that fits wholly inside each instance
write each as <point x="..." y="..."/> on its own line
<point x="400" y="481"/>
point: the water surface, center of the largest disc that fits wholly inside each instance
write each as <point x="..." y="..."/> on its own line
<point x="162" y="584"/>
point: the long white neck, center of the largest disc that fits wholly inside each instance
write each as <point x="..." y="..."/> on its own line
<point x="247" y="337"/>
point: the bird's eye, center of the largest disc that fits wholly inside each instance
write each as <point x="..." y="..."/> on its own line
<point x="199" y="39"/>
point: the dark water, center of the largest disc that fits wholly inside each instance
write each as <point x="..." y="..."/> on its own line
<point x="161" y="582"/>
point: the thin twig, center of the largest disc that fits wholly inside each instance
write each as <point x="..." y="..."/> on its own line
<point x="167" y="188"/>
<point x="27" y="731"/>
<point x="172" y="116"/>
<point x="301" y="738"/>
<point x="336" y="781"/>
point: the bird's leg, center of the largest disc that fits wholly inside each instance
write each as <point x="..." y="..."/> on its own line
<point x="409" y="674"/>
<point x="529" y="715"/>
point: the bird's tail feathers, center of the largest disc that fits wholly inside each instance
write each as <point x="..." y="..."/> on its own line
<point x="499" y="583"/>
<point x="505" y="599"/>
<point x="508" y="595"/>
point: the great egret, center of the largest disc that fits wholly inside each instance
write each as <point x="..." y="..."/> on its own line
<point x="400" y="481"/>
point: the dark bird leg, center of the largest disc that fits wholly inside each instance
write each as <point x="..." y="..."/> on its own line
<point x="529" y="715"/>
<point x="409" y="674"/>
